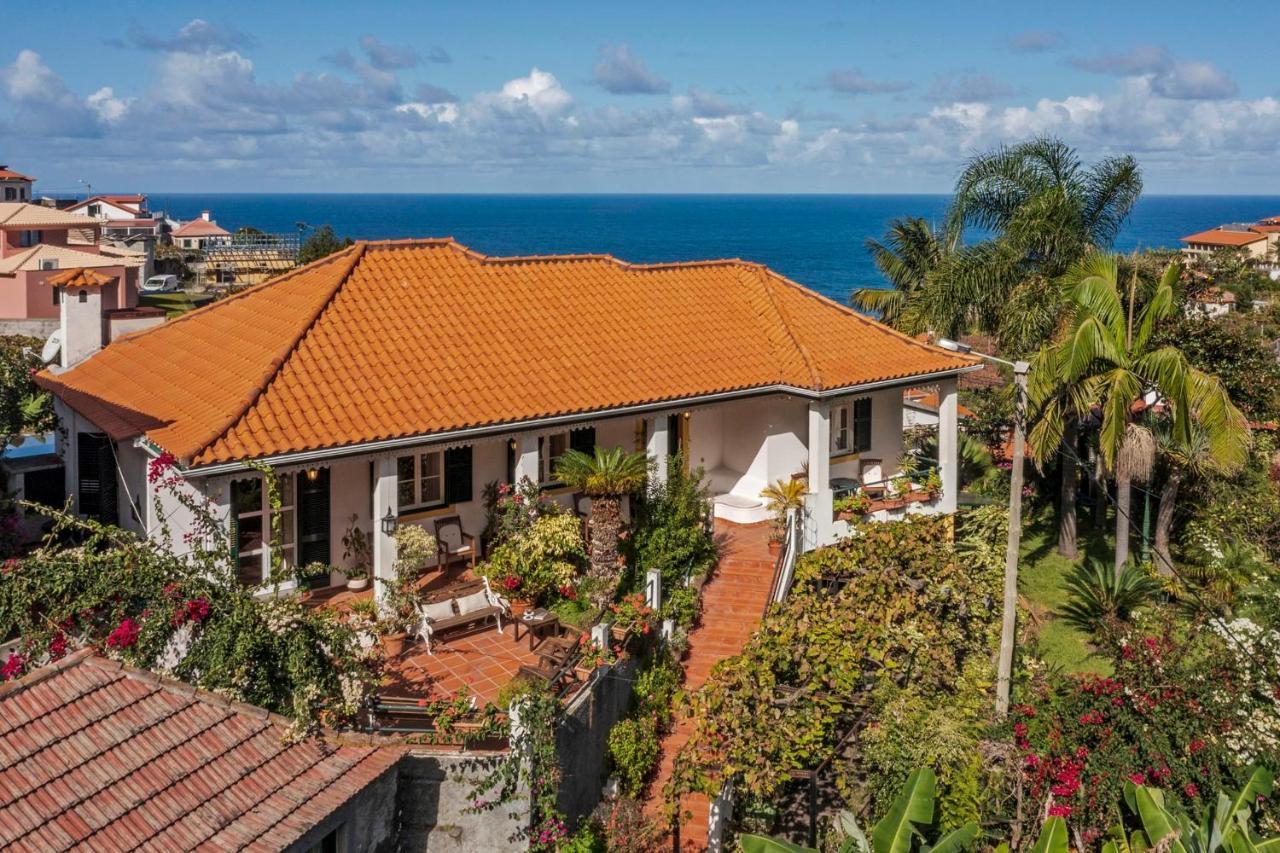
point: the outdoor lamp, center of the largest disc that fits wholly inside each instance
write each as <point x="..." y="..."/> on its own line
<point x="312" y="473"/>
<point x="389" y="522"/>
<point x="954" y="346"/>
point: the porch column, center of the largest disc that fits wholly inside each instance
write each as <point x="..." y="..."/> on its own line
<point x="526" y="457"/>
<point x="385" y="497"/>
<point x="821" y="502"/>
<point x="948" y="443"/>
<point x="657" y="447"/>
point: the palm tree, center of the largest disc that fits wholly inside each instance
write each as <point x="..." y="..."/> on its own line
<point x="605" y="476"/>
<point x="909" y="254"/>
<point x="1107" y="359"/>
<point x="1046" y="210"/>
<point x="1192" y="459"/>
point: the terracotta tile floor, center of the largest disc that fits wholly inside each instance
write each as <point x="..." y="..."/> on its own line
<point x="733" y="604"/>
<point x="480" y="661"/>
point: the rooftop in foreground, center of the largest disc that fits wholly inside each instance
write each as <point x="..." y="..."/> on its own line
<point x="394" y="340"/>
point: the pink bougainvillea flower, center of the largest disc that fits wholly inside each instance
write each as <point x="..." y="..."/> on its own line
<point x="125" y="635"/>
<point x="159" y="467"/>
<point x="1059" y="810"/>
<point x="13" y="667"/>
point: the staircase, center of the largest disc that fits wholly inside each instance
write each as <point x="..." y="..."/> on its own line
<point x="733" y="602"/>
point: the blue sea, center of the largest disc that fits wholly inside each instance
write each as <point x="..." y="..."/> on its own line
<point x="816" y="240"/>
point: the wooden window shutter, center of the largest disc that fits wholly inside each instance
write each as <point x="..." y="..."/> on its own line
<point x="312" y="513"/>
<point x="457" y="475"/>
<point x="862" y="424"/>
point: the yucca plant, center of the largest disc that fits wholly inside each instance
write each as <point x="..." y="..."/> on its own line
<point x="780" y="498"/>
<point x="605" y="476"/>
<point x="1098" y="597"/>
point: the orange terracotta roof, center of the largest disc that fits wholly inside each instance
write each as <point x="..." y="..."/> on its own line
<point x="80" y="277"/>
<point x="1224" y="237"/>
<point x="412" y="338"/>
<point x="7" y="174"/>
<point x="103" y="757"/>
<point x="1267" y="227"/>
<point x="929" y="400"/>
<point x="201" y="228"/>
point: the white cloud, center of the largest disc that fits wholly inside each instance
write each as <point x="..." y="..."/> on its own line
<point x="108" y="107"/>
<point x="539" y="92"/>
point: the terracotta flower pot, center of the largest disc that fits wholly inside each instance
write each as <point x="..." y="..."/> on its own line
<point x="617" y="632"/>
<point x="775" y="547"/>
<point x="393" y="644"/>
<point x="519" y="606"/>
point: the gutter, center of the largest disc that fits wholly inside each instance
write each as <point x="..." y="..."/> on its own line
<point x="382" y="445"/>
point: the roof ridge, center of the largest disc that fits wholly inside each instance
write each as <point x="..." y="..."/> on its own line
<point x="273" y="367"/>
<point x="884" y="328"/>
<point x="481" y="257"/>
<point x="45" y="672"/>
<point x="784" y="319"/>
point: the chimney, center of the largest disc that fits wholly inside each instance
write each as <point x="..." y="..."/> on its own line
<point x="80" y="320"/>
<point x="204" y="214"/>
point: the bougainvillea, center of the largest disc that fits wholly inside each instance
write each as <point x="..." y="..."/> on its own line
<point x="1167" y="717"/>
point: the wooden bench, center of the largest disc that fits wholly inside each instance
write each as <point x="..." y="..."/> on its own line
<point x="459" y="607"/>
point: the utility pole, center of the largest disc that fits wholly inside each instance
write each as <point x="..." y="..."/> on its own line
<point x="1009" y="625"/>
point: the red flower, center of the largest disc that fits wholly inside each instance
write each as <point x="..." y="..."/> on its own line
<point x="1019" y="730"/>
<point x="511" y="583"/>
<point x="1138" y="778"/>
<point x="567" y="591"/>
<point x="12" y="667"/>
<point x="10" y="566"/>
<point x="1058" y="810"/>
<point x="1191" y="790"/>
<point x="125" y="634"/>
<point x="58" y="646"/>
<point x="160" y="466"/>
<point x="1025" y="710"/>
<point x="1196" y="745"/>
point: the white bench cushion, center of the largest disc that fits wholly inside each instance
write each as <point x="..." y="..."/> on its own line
<point x="439" y="610"/>
<point x="473" y="602"/>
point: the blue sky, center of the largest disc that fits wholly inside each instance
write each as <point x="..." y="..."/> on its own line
<point x="611" y="97"/>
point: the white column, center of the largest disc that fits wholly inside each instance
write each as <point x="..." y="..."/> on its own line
<point x="821" y="503"/>
<point x="658" y="446"/>
<point x="948" y="443"/>
<point x="385" y="497"/>
<point x="526" y="457"/>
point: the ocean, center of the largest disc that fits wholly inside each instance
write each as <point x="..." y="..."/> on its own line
<point x="816" y="240"/>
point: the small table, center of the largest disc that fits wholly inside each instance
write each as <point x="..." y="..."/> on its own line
<point x="541" y="628"/>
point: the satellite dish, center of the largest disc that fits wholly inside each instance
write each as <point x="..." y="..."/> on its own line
<point x="52" y="347"/>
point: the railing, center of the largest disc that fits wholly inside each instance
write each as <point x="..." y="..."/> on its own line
<point x="785" y="566"/>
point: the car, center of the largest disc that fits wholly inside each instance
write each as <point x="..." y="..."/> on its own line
<point x="160" y="284"/>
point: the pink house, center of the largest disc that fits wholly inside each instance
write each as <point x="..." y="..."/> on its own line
<point x="36" y="242"/>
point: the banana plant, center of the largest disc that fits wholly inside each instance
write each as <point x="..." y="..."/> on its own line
<point x="1224" y="827"/>
<point x="901" y="830"/>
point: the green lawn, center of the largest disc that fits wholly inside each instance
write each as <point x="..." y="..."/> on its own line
<point x="174" y="303"/>
<point x="1040" y="578"/>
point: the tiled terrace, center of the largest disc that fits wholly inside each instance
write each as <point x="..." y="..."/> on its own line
<point x="480" y="660"/>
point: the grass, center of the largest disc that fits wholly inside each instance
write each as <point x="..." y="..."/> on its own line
<point x="174" y="304"/>
<point x="1040" y="577"/>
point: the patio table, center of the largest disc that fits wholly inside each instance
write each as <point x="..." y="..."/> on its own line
<point x="538" y="629"/>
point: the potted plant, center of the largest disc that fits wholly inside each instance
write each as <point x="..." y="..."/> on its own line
<point x="535" y="561"/>
<point x="781" y="498"/>
<point x="399" y="610"/>
<point x="631" y="615"/>
<point x="357" y="551"/>
<point x="853" y="505"/>
<point x="933" y="482"/>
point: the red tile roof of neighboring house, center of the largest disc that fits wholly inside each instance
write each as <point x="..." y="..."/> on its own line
<point x="7" y="174"/>
<point x="201" y="228"/>
<point x="1224" y="237"/>
<point x="1267" y="227"/>
<point x="412" y="338"/>
<point x="929" y="400"/>
<point x="80" y="277"/>
<point x="102" y="757"/>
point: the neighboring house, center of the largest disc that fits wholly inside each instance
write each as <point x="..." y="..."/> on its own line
<point x="392" y="381"/>
<point x="122" y="216"/>
<point x="103" y="757"/>
<point x="920" y="408"/>
<point x="198" y="234"/>
<point x="1256" y="241"/>
<point x="37" y="243"/>
<point x="14" y="186"/>
<point x="1212" y="302"/>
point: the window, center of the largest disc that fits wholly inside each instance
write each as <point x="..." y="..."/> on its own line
<point x="57" y="292"/>
<point x="83" y="296"/>
<point x="10" y="193"/>
<point x="434" y="478"/>
<point x="96" y="483"/>
<point x="552" y="447"/>
<point x="48" y="263"/>
<point x="95" y="210"/>
<point x="47" y="486"/>
<point x="251" y="510"/>
<point x="851" y="427"/>
<point x="27" y="239"/>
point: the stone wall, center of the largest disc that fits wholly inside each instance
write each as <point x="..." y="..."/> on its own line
<point x="432" y="798"/>
<point x="364" y="824"/>
<point x="37" y="328"/>
<point x="583" y="737"/>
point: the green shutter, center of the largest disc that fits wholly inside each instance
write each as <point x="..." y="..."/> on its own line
<point x="457" y="475"/>
<point x="862" y="425"/>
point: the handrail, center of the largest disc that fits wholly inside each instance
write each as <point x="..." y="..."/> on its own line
<point x="784" y="566"/>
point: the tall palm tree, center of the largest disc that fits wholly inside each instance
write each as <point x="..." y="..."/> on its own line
<point x="1045" y="210"/>
<point x="605" y="476"/>
<point x="1107" y="359"/>
<point x="909" y="254"/>
<point x="1184" y="460"/>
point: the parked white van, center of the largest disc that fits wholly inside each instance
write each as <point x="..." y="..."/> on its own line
<point x="160" y="284"/>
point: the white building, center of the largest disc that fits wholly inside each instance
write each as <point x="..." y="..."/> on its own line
<point x="395" y="380"/>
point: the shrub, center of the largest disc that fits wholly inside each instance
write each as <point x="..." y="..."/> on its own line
<point x="1099" y="600"/>
<point x="633" y="747"/>
<point x="669" y="533"/>
<point x="544" y="557"/>
<point x="414" y="548"/>
<point x="682" y="605"/>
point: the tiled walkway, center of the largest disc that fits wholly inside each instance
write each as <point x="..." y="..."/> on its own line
<point x="733" y="602"/>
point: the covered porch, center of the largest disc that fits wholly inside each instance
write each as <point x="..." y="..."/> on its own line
<point x="838" y="444"/>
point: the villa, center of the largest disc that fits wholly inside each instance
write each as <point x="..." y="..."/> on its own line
<point x="392" y="381"/>
<point x="201" y="233"/>
<point x="1258" y="241"/>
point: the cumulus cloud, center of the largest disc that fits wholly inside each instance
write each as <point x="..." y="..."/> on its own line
<point x="1169" y="76"/>
<point x="1037" y="41"/>
<point x="385" y="57"/>
<point x="854" y="82"/>
<point x="42" y="102"/>
<point x="620" y="71"/>
<point x="968" y="88"/>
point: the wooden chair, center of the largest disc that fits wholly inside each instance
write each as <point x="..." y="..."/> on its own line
<point x="453" y="543"/>
<point x="871" y="471"/>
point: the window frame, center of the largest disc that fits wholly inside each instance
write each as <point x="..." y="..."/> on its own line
<point x="288" y="489"/>
<point x="418" y="479"/>
<point x="547" y="460"/>
<point x="851" y="426"/>
<point x="451" y="488"/>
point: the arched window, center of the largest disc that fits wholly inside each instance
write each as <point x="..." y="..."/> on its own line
<point x="84" y="296"/>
